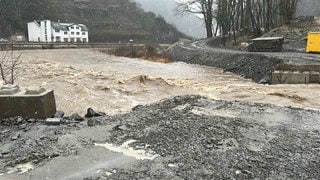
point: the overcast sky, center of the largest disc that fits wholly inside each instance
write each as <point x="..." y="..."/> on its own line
<point x="188" y="24"/>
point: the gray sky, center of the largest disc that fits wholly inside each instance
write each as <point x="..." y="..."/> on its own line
<point x="188" y="24"/>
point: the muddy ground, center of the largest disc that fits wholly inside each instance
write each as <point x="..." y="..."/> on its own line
<point x="189" y="137"/>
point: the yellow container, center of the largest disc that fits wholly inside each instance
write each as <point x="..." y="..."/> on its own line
<point x="313" y="44"/>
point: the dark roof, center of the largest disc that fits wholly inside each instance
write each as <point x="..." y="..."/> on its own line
<point x="65" y="26"/>
<point x="83" y="27"/>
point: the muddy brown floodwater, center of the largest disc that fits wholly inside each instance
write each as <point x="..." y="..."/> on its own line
<point x="83" y="78"/>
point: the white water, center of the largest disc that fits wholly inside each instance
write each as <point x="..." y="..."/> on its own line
<point x="83" y="78"/>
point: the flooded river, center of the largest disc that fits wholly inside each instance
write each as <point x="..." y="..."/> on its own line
<point x="83" y="78"/>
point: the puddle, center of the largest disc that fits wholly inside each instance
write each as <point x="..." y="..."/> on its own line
<point x="21" y="168"/>
<point x="129" y="151"/>
<point x="107" y="173"/>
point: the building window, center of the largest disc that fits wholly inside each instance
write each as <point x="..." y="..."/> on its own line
<point x="65" y="33"/>
<point x="78" y="33"/>
<point x="65" y="39"/>
<point x="83" y="33"/>
<point x="77" y="27"/>
<point x="72" y="33"/>
<point x="72" y="27"/>
<point x="58" y="38"/>
<point x="57" y="30"/>
<point x="71" y="39"/>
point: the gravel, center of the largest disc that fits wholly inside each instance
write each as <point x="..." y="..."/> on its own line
<point x="192" y="136"/>
<point x="195" y="144"/>
<point x="252" y="66"/>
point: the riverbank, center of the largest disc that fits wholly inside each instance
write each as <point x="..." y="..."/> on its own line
<point x="169" y="140"/>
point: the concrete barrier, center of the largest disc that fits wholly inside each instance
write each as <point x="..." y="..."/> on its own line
<point x="30" y="102"/>
<point x="289" y="77"/>
<point x="296" y="74"/>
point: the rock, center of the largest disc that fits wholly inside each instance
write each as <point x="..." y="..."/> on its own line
<point x="92" y="122"/>
<point x="53" y="121"/>
<point x="76" y="117"/>
<point x="120" y="128"/>
<point x="20" y="120"/>
<point x="5" y="149"/>
<point x="15" y="137"/>
<point x="265" y="80"/>
<point x="59" y="114"/>
<point x="92" y="113"/>
<point x="244" y="46"/>
<point x="6" y="131"/>
<point x="22" y="126"/>
<point x="31" y="120"/>
<point x="173" y="165"/>
<point x="136" y="107"/>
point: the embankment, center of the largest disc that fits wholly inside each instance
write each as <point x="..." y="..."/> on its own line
<point x="248" y="65"/>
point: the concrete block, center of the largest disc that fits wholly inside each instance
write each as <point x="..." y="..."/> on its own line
<point x="26" y="102"/>
<point x="9" y="89"/>
<point x="279" y="77"/>
<point x="34" y="90"/>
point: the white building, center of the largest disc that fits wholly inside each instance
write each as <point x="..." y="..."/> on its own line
<point x="47" y="31"/>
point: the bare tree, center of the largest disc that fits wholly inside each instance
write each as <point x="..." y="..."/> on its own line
<point x="201" y="7"/>
<point x="9" y="65"/>
<point x="240" y="16"/>
<point x="251" y="16"/>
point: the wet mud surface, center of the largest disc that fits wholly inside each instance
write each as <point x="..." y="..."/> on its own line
<point x="191" y="137"/>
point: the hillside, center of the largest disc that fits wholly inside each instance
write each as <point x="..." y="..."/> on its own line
<point x="107" y="20"/>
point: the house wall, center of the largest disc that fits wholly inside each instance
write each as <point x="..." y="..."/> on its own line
<point x="74" y="34"/>
<point x="58" y="36"/>
<point x="46" y="33"/>
<point x="33" y="32"/>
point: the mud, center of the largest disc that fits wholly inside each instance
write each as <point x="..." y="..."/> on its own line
<point x="190" y="137"/>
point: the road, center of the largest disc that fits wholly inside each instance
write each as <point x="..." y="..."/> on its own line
<point x="287" y="57"/>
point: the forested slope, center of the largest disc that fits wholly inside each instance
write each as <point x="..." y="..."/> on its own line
<point x="107" y="20"/>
